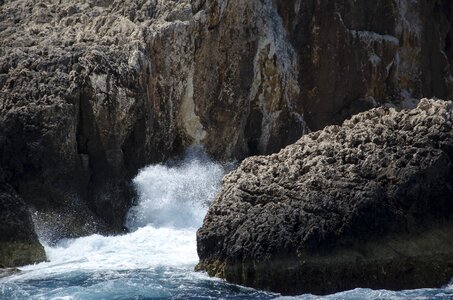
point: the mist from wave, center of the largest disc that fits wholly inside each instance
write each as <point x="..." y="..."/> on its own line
<point x="176" y="194"/>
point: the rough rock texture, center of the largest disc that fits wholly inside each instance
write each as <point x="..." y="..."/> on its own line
<point x="93" y="90"/>
<point x="19" y="244"/>
<point x="367" y="204"/>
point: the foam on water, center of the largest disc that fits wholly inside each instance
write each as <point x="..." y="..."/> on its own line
<point x="147" y="247"/>
<point x="172" y="201"/>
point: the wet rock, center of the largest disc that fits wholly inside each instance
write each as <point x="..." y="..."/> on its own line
<point x="8" y="272"/>
<point x="365" y="204"/>
<point x="19" y="243"/>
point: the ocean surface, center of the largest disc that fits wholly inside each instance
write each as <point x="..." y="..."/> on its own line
<point x="156" y="260"/>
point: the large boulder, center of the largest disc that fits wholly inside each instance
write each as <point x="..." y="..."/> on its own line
<point x="365" y="204"/>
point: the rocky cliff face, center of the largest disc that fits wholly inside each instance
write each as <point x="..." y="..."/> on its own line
<point x="353" y="55"/>
<point x="92" y="90"/>
<point x="367" y="204"/>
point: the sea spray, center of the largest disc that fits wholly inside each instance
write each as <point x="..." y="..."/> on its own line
<point x="176" y="194"/>
<point x="145" y="248"/>
<point x="172" y="199"/>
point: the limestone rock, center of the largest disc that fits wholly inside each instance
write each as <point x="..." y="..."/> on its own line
<point x="93" y="90"/>
<point x="79" y="113"/>
<point x="365" y="204"/>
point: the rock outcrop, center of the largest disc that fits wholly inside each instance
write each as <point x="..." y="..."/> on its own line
<point x="365" y="204"/>
<point x="19" y="244"/>
<point x="93" y="90"/>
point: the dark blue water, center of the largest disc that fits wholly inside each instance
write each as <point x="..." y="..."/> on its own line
<point x="165" y="283"/>
<point x="156" y="260"/>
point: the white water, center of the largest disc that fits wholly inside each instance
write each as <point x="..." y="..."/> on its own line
<point x="145" y="248"/>
<point x="175" y="195"/>
<point x="172" y="201"/>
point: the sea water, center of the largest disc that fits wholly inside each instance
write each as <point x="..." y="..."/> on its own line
<point x="157" y="258"/>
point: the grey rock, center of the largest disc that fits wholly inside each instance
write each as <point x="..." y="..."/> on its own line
<point x="365" y="204"/>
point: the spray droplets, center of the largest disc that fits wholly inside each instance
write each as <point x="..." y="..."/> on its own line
<point x="176" y="194"/>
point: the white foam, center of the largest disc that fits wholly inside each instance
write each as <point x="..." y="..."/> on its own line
<point x="147" y="247"/>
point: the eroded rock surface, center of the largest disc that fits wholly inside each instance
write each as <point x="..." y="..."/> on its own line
<point x="93" y="90"/>
<point x="365" y="204"/>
